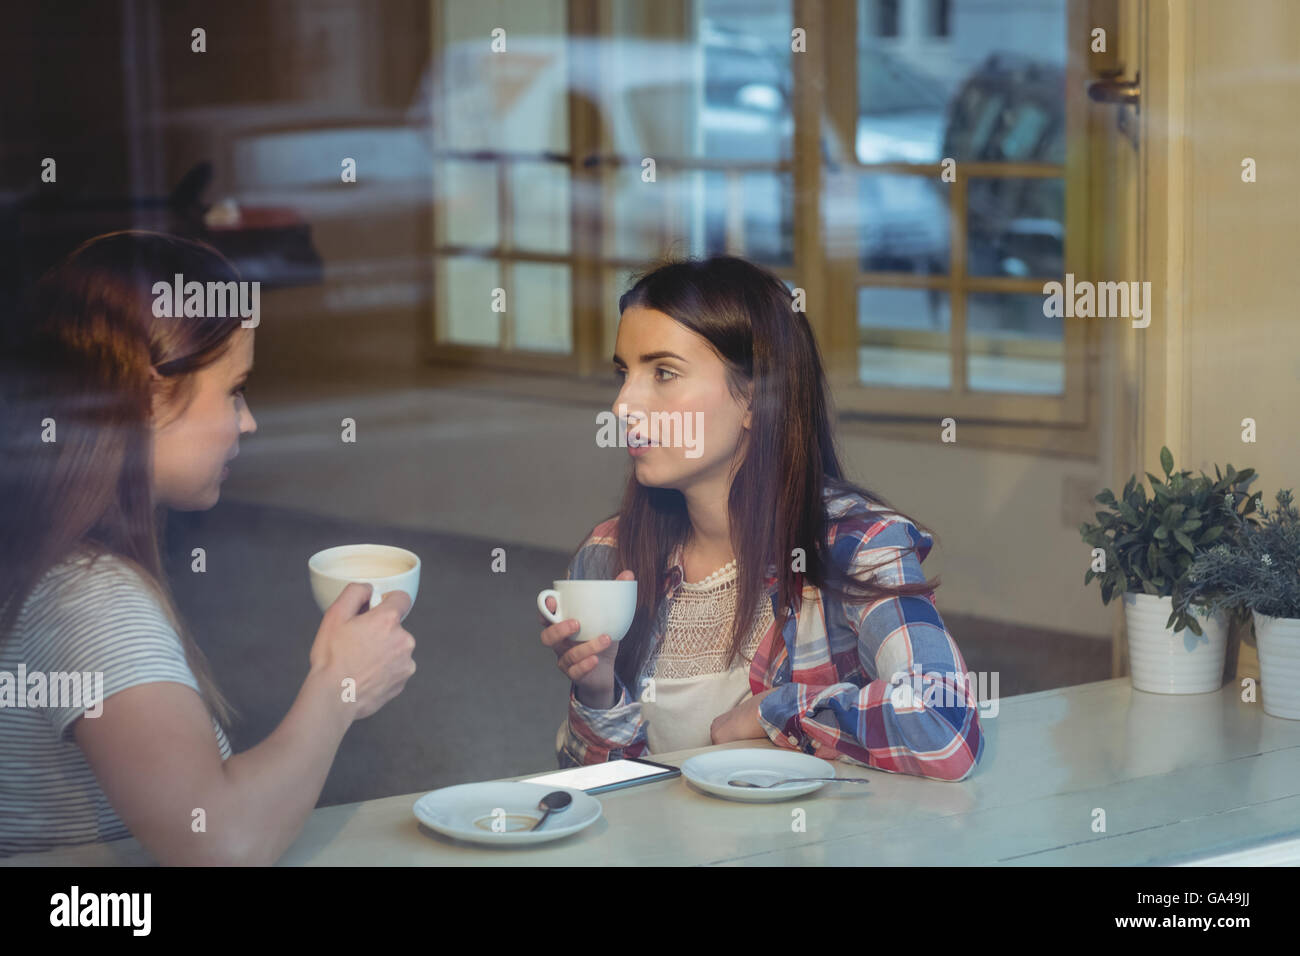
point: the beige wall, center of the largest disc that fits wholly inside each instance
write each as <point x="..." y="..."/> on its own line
<point x="1008" y="523"/>
<point x="1239" y="313"/>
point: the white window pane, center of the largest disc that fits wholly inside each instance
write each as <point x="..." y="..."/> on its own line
<point x="904" y="338"/>
<point x="1012" y="347"/>
<point x="542" y="310"/>
<point x="540" y="199"/>
<point x="963" y="79"/>
<point x="467" y="212"/>
<point x="512" y="100"/>
<point x="465" y="294"/>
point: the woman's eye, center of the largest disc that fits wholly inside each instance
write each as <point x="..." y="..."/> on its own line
<point x="240" y="391"/>
<point x="661" y="374"/>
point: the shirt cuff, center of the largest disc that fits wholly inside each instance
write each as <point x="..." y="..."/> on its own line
<point x="778" y="715"/>
<point x="613" y="728"/>
<point x="596" y="713"/>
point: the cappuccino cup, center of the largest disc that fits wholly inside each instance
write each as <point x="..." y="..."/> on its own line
<point x="600" y="607"/>
<point x="382" y="566"/>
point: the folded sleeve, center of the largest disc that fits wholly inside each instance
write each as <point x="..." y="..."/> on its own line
<point x="590" y="735"/>
<point x="904" y="703"/>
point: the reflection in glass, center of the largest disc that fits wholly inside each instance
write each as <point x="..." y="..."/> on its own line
<point x="965" y="79"/>
<point x="483" y="100"/>
<point x="720" y="90"/>
<point x="745" y="111"/>
<point x="904" y="338"/>
<point x="541" y="307"/>
<point x="1011" y="110"/>
<point x="464" y="290"/>
<point x="650" y="220"/>
<point x="466" y="210"/>
<point x="757" y="208"/>
<point x="1012" y="346"/>
<point x="904" y="224"/>
<point x="616" y="282"/>
<point x="1016" y="227"/>
<point x="540" y="204"/>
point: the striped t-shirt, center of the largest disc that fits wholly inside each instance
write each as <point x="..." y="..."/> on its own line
<point x="83" y="616"/>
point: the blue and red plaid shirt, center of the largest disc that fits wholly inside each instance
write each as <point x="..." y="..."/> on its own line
<point x="880" y="683"/>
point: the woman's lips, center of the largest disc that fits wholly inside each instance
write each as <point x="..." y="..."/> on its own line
<point x="637" y="446"/>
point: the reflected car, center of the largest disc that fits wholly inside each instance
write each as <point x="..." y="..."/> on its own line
<point x="1011" y="110"/>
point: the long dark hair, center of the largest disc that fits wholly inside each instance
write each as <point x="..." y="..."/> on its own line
<point x="81" y="355"/>
<point x="776" y="500"/>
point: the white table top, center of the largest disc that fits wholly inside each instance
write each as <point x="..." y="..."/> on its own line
<point x="1180" y="778"/>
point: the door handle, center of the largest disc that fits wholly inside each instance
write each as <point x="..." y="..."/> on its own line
<point x="1123" y="93"/>
<point x="1126" y="92"/>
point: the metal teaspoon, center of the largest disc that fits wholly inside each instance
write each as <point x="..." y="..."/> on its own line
<point x="557" y="801"/>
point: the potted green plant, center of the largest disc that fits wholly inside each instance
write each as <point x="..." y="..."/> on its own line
<point x="1256" y="570"/>
<point x="1148" y="544"/>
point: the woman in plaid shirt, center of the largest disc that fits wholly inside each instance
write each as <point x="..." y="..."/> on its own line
<point x="786" y="602"/>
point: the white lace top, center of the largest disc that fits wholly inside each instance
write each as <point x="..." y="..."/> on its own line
<point x="692" y="684"/>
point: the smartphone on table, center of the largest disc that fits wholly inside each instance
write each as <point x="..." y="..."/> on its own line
<point x="611" y="775"/>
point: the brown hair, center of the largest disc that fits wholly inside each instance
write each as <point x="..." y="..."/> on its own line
<point x="82" y="356"/>
<point x="776" y="501"/>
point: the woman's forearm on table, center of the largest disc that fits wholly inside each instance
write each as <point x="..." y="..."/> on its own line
<point x="277" y="783"/>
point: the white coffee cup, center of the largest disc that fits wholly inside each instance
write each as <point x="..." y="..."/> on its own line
<point x="382" y="566"/>
<point x="600" y="607"/>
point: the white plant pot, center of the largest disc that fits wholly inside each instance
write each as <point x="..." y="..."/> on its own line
<point x="1278" y="641"/>
<point x="1162" y="662"/>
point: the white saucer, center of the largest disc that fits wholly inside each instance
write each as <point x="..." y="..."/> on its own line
<point x="710" y="772"/>
<point x="468" y="811"/>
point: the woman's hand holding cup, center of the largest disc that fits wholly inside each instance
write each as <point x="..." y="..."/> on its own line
<point x="371" y="648"/>
<point x="589" y="664"/>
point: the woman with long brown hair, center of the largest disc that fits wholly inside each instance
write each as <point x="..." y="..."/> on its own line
<point x="777" y="600"/>
<point x="113" y="410"/>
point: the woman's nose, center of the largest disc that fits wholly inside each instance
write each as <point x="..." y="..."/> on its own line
<point x="247" y="423"/>
<point x="620" y="406"/>
<point x="629" y="399"/>
<point x="628" y="415"/>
